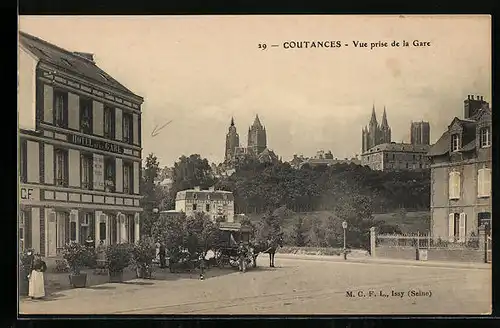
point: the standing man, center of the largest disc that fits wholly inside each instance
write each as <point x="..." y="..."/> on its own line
<point x="162" y="255"/>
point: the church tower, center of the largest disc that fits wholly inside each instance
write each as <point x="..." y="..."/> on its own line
<point x="232" y="142"/>
<point x="385" y="130"/>
<point x="373" y="130"/>
<point x="257" y="139"/>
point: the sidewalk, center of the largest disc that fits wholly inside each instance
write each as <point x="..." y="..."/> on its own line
<point x="378" y="260"/>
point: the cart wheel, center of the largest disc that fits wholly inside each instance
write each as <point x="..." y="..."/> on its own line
<point x="234" y="262"/>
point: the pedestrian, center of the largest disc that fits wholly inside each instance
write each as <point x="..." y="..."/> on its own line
<point x="162" y="254"/>
<point x="242" y="257"/>
<point x="202" y="266"/>
<point x="36" y="278"/>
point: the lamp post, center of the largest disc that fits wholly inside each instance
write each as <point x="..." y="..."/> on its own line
<point x="344" y="226"/>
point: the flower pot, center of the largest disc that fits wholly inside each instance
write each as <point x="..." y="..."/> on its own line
<point x="78" y="280"/>
<point x="115" y="276"/>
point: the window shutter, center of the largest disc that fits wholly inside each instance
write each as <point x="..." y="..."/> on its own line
<point x="457" y="185"/>
<point x="480" y="183"/>
<point x="66" y="228"/>
<point x="462" y="226"/>
<point x="451" y="227"/>
<point x="487" y="182"/>
<point x="27" y="228"/>
<point x="451" y="188"/>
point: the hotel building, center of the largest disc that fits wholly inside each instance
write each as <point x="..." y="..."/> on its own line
<point x="79" y="151"/>
<point x="214" y="203"/>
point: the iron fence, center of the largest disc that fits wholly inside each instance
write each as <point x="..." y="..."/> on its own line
<point x="425" y="241"/>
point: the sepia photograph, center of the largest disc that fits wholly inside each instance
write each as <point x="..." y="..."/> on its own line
<point x="254" y="165"/>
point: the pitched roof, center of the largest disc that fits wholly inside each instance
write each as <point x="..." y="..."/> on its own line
<point x="399" y="147"/>
<point x="441" y="147"/>
<point x="74" y="62"/>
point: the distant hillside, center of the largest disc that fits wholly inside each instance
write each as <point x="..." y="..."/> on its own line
<point x="407" y="222"/>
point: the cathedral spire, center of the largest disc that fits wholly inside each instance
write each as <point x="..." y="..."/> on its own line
<point x="384" y="120"/>
<point x="256" y="122"/>
<point x="374" y="116"/>
<point x="232" y="121"/>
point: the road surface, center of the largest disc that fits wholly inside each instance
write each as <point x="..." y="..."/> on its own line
<point x="295" y="286"/>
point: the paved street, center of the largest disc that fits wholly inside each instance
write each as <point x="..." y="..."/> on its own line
<point x="298" y="285"/>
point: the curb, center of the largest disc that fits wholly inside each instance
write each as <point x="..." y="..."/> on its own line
<point x="370" y="260"/>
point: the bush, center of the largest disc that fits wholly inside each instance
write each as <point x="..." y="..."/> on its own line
<point x="143" y="253"/>
<point x="118" y="257"/>
<point x="77" y="256"/>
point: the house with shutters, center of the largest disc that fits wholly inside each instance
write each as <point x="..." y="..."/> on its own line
<point x="461" y="165"/>
<point x="79" y="150"/>
<point x="217" y="204"/>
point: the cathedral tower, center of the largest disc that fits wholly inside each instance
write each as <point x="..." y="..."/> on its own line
<point x="232" y="142"/>
<point x="375" y="134"/>
<point x="257" y="139"/>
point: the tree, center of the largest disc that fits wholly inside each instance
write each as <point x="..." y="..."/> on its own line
<point x="190" y="172"/>
<point x="151" y="193"/>
<point x="297" y="235"/>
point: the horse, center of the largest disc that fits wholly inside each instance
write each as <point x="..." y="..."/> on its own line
<point x="270" y="246"/>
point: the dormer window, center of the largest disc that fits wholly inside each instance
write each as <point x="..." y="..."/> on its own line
<point x="485" y="137"/>
<point x="455" y="142"/>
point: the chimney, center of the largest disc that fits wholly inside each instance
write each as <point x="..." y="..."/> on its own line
<point x="197" y="188"/>
<point x="85" y="55"/>
<point x="481" y="98"/>
<point x="211" y="189"/>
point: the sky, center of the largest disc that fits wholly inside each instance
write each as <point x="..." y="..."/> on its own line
<point x="199" y="71"/>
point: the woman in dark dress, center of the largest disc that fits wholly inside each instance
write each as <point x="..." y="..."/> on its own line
<point x="36" y="279"/>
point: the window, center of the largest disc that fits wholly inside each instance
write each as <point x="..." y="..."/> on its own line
<point x="23" y="168"/>
<point x="455" y="142"/>
<point x="61" y="109"/>
<point x="485" y="137"/>
<point x="127" y="178"/>
<point x="109" y="174"/>
<point x="207" y="207"/>
<point x="102" y="230"/>
<point x="457" y="227"/>
<point x="484" y="219"/>
<point x="86" y="163"/>
<point x="127" y="128"/>
<point x="85" y="116"/>
<point x="109" y="123"/>
<point x="195" y="196"/>
<point x="406" y="165"/>
<point x="454" y="185"/>
<point x="112" y="229"/>
<point x="194" y="207"/>
<point x="484" y="182"/>
<point x="72" y="230"/>
<point x="86" y="225"/>
<point x="131" y="228"/>
<point x="22" y="231"/>
<point x="61" y="167"/>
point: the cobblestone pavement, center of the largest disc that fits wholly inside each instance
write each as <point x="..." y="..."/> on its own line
<point x="298" y="285"/>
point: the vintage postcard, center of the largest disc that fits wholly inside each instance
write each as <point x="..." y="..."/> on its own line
<point x="262" y="165"/>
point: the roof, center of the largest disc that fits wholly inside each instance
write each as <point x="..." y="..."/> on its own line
<point x="233" y="226"/>
<point x="442" y="146"/>
<point x="204" y="195"/>
<point x="74" y="62"/>
<point x="399" y="147"/>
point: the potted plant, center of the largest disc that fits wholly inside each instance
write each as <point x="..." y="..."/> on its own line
<point x="25" y="259"/>
<point x="117" y="259"/>
<point x="76" y="256"/>
<point x="143" y="254"/>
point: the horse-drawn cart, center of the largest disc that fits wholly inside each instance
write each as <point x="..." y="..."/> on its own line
<point x="234" y="248"/>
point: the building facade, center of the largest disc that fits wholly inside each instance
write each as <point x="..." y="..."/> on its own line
<point x="214" y="203"/>
<point x="79" y="151"/>
<point x="396" y="156"/>
<point x="420" y="133"/>
<point x="461" y="166"/>
<point x="375" y="134"/>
